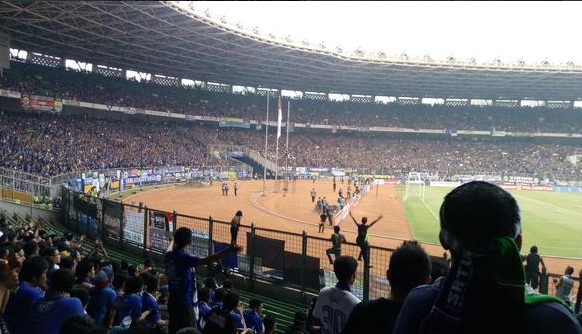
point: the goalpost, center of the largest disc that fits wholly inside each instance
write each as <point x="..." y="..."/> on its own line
<point x="414" y="186"/>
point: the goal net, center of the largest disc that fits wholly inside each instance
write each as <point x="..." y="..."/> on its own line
<point x="415" y="187"/>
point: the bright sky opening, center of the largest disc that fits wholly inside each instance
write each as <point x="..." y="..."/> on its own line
<point x="504" y="30"/>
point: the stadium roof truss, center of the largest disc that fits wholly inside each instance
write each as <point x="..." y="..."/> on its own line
<point x="161" y="38"/>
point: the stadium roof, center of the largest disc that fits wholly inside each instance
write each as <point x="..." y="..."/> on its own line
<point x="160" y="38"/>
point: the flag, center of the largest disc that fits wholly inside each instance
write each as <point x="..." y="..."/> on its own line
<point x="279" y="118"/>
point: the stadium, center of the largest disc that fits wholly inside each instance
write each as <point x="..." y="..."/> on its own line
<point x="124" y="121"/>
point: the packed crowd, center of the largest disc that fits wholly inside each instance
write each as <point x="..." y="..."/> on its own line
<point x="52" y="145"/>
<point x="55" y="284"/>
<point x="72" y="143"/>
<point x="91" y="87"/>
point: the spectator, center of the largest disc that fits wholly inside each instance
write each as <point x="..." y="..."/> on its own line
<point x="299" y="325"/>
<point x="81" y="324"/>
<point x="127" y="308"/>
<point x="485" y="287"/>
<point x="409" y="267"/>
<point x="564" y="286"/>
<point x="337" y="300"/>
<point x="102" y="298"/>
<point x="253" y="316"/>
<point x="532" y="264"/>
<point x="149" y="302"/>
<point x="33" y="279"/>
<point x="234" y="307"/>
<point x="203" y="305"/>
<point x="270" y="323"/>
<point x="180" y="266"/>
<point x="83" y="295"/>
<point x="48" y="315"/>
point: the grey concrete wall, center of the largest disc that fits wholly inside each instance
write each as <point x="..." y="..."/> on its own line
<point x="23" y="210"/>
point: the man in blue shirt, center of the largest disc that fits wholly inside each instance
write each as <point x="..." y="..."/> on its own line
<point x="48" y="314"/>
<point x="102" y="297"/>
<point x="32" y="279"/>
<point x="180" y="264"/>
<point x="254" y="315"/>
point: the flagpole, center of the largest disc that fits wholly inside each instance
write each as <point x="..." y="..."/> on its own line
<point x="279" y="116"/>
<point x="266" y="145"/>
<point x="287" y="148"/>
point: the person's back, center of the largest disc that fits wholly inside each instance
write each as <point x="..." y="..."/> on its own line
<point x="484" y="291"/>
<point x="335" y="303"/>
<point x="565" y="285"/>
<point x="102" y="298"/>
<point x="409" y="266"/>
<point x="20" y="299"/>
<point x="48" y="314"/>
<point x="532" y="264"/>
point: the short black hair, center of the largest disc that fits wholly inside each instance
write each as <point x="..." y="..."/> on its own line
<point x="204" y="294"/>
<point x="33" y="267"/>
<point x="344" y="267"/>
<point x="61" y="280"/>
<point x="80" y="324"/>
<point x="82" y="294"/>
<point x="219" y="294"/>
<point x="409" y="266"/>
<point x="152" y="283"/>
<point x="269" y="322"/>
<point x="183" y="237"/>
<point x="133" y="284"/>
<point x="254" y="303"/>
<point x="231" y="300"/>
<point x="476" y="213"/>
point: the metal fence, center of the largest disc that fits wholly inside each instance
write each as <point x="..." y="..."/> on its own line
<point x="290" y="259"/>
<point x="296" y="260"/>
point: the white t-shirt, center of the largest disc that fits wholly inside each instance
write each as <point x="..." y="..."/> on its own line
<point x="333" y="307"/>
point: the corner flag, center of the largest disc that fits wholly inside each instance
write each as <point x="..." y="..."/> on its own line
<point x="279" y="118"/>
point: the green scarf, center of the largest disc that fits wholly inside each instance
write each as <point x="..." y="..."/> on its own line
<point x="501" y="264"/>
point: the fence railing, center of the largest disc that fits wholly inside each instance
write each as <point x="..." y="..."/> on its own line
<point x="295" y="260"/>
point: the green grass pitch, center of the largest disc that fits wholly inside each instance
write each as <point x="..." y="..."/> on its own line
<point x="552" y="221"/>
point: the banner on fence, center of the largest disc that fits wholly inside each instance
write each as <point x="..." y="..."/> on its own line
<point x="112" y="213"/>
<point x="160" y="228"/>
<point x="133" y="228"/>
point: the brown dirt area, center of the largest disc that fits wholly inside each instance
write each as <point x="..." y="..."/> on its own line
<point x="294" y="211"/>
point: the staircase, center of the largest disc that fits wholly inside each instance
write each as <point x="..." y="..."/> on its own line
<point x="258" y="168"/>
